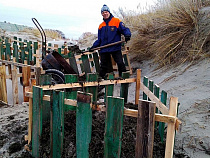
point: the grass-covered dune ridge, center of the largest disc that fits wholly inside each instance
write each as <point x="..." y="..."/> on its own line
<point x="172" y="32"/>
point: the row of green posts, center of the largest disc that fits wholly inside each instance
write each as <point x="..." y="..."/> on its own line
<point x="85" y="99"/>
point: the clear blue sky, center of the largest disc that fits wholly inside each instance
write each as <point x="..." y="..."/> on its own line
<point x="71" y="17"/>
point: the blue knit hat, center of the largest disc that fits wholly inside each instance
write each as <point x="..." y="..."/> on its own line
<point x="105" y="8"/>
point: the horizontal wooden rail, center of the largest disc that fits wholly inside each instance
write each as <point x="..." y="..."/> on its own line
<point x="127" y="112"/>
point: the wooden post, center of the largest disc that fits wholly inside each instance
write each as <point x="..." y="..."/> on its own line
<point x="157" y="94"/>
<point x="145" y="82"/>
<point x="83" y="124"/>
<point x="109" y="88"/>
<point x="38" y="73"/>
<point x="72" y="62"/>
<point x="15" y="86"/>
<point x="35" y="49"/>
<point x="26" y="71"/>
<point x="138" y="81"/>
<point x="96" y="61"/>
<point x="72" y="93"/>
<point x="171" y="128"/>
<point x="145" y="129"/>
<point x="151" y="87"/>
<point x="93" y="89"/>
<point x="3" y="83"/>
<point x="37" y="120"/>
<point x="124" y="87"/>
<point x="57" y="125"/>
<point x="30" y="112"/>
<point x="113" y="127"/>
<point x="161" y="126"/>
<point x="86" y="64"/>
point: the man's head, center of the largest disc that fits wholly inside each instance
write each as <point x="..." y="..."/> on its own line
<point x="105" y="12"/>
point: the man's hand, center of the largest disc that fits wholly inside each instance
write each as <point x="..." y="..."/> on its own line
<point x="127" y="38"/>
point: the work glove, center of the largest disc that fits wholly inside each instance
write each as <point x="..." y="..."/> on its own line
<point x="127" y="38"/>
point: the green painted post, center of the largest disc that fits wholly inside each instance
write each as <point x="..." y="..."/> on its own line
<point x="37" y="120"/>
<point x="81" y="66"/>
<point x="109" y="88"/>
<point x="72" y="62"/>
<point x="124" y="87"/>
<point x="161" y="124"/>
<point x="22" y="53"/>
<point x="14" y="43"/>
<point x="83" y="124"/>
<point x="113" y="127"/>
<point x="57" y="124"/>
<point x="35" y="48"/>
<point x="86" y="64"/>
<point x="151" y="85"/>
<point x="8" y="51"/>
<point x="93" y="89"/>
<point x="59" y="51"/>
<point x="72" y="94"/>
<point x="96" y="61"/>
<point x="1" y="50"/>
<point x="145" y="82"/>
<point x="45" y="79"/>
<point x="157" y="94"/>
<point x="15" y="52"/>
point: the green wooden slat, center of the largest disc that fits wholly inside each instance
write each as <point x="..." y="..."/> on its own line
<point x="35" y="48"/>
<point x="59" y="51"/>
<point x="109" y="88"/>
<point x="161" y="124"/>
<point x="124" y="87"/>
<point x="83" y="124"/>
<point x="93" y="89"/>
<point x="157" y="94"/>
<point x="72" y="62"/>
<point x="81" y="66"/>
<point x="86" y="64"/>
<point x="1" y="50"/>
<point x="8" y="51"/>
<point x="36" y="120"/>
<point x="113" y="127"/>
<point x="73" y="93"/>
<point x="22" y="53"/>
<point x="96" y="61"/>
<point x="145" y="82"/>
<point x="57" y="126"/>
<point x="151" y="85"/>
<point x="45" y="80"/>
<point x="30" y="57"/>
<point x="15" y="52"/>
<point x="14" y="43"/>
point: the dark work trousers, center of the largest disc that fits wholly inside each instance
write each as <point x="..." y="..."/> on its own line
<point x="106" y="63"/>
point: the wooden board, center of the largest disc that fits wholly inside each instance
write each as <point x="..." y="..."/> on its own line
<point x="113" y="127"/>
<point x="145" y="129"/>
<point x="15" y="86"/>
<point x="83" y="124"/>
<point x="124" y="87"/>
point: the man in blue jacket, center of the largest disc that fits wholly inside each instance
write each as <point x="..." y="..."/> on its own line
<point x="110" y="31"/>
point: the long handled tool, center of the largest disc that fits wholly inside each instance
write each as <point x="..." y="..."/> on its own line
<point x="108" y="45"/>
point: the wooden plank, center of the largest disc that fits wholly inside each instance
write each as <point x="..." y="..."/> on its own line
<point x="96" y="61"/>
<point x="161" y="126"/>
<point x="83" y="124"/>
<point x="57" y="130"/>
<point x="35" y="49"/>
<point x="30" y="112"/>
<point x="15" y="52"/>
<point x="93" y="89"/>
<point x="151" y="87"/>
<point x="15" y="86"/>
<point x="70" y="93"/>
<point x="37" y="120"/>
<point x="26" y="73"/>
<point x="113" y="127"/>
<point x="109" y="88"/>
<point x="145" y="129"/>
<point x="8" y="51"/>
<point x="171" y="128"/>
<point x="145" y="82"/>
<point x="86" y="64"/>
<point x="153" y="98"/>
<point x="124" y="87"/>
<point x="86" y="84"/>
<point x="38" y="73"/>
<point x="138" y="81"/>
<point x="157" y="94"/>
<point x="3" y="83"/>
<point x="73" y="63"/>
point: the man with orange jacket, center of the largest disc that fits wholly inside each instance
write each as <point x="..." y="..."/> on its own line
<point x="110" y="31"/>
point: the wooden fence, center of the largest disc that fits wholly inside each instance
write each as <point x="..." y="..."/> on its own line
<point x="49" y="102"/>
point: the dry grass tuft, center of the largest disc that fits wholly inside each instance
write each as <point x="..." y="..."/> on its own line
<point x="173" y="32"/>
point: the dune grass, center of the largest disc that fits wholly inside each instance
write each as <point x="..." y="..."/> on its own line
<point x="172" y="32"/>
